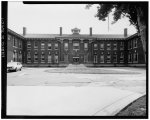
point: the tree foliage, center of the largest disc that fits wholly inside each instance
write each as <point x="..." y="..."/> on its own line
<point x="132" y="10"/>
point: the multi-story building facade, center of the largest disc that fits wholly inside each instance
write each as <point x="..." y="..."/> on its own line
<point x="63" y="49"/>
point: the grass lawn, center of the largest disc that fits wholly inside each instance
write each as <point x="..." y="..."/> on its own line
<point x="136" y="108"/>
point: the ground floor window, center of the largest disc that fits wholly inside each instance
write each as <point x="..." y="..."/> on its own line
<point x="95" y="58"/>
<point x="115" y="58"/>
<point x="35" y="57"/>
<point x="42" y="57"/>
<point x="15" y="56"/>
<point x="49" y="59"/>
<point x="20" y="56"/>
<point x="135" y="57"/>
<point x="56" y="59"/>
<point x="129" y="57"/>
<point x="29" y="57"/>
<point x="102" y="59"/>
<point x="66" y="58"/>
<point x="85" y="58"/>
<point x="121" y="57"/>
<point x="108" y="58"/>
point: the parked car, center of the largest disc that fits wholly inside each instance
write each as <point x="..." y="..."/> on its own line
<point x="14" y="66"/>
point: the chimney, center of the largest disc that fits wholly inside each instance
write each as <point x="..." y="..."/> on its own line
<point x="24" y="31"/>
<point x="125" y="32"/>
<point x="60" y="31"/>
<point x="90" y="31"/>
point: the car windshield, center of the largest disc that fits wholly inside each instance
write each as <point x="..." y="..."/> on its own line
<point x="11" y="63"/>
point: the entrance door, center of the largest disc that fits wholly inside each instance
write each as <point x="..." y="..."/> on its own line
<point x="76" y="60"/>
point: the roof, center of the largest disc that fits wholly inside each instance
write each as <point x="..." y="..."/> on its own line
<point x="85" y="36"/>
<point x="14" y="33"/>
<point x="68" y="36"/>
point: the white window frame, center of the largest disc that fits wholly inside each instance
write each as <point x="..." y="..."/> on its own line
<point x="115" y="46"/>
<point x="85" y="46"/>
<point x="56" y="46"/>
<point x="102" y="59"/>
<point x="66" y="45"/>
<point x="35" y="44"/>
<point x="108" y="46"/>
<point x="42" y="45"/>
<point x="49" y="45"/>
<point x="95" y="45"/>
<point x="101" y="46"/>
<point x="28" y="44"/>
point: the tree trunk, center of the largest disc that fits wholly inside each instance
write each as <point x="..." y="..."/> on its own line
<point x="142" y="31"/>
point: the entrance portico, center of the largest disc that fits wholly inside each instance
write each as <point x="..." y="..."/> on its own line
<point x="76" y="60"/>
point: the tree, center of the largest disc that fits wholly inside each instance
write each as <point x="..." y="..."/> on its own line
<point x="137" y="12"/>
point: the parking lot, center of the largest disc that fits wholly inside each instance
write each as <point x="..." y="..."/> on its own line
<point x="128" y="78"/>
<point x="74" y="90"/>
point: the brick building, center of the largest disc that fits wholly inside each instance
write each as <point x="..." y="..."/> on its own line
<point x="63" y="49"/>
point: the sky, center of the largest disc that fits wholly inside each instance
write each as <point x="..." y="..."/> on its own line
<point x="47" y="18"/>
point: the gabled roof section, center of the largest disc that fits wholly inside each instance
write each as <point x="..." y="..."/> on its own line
<point x="14" y="33"/>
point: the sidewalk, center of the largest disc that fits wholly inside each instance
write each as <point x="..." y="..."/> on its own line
<point x="70" y="100"/>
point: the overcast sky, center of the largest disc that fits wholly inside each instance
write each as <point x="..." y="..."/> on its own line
<point x="47" y="18"/>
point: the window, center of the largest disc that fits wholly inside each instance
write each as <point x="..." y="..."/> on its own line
<point x="20" y="44"/>
<point x="49" y="58"/>
<point x="42" y="57"/>
<point x="14" y="56"/>
<point x="130" y="44"/>
<point x="13" y="41"/>
<point x="101" y="58"/>
<point x="56" y="46"/>
<point x="29" y="56"/>
<point x="135" y="43"/>
<point x="28" y="44"/>
<point x="129" y="58"/>
<point x="85" y="46"/>
<point x="102" y="46"/>
<point x="121" y="45"/>
<point x="121" y="57"/>
<point x="66" y="46"/>
<point x="108" y="57"/>
<point x="135" y="57"/>
<point x="95" y="46"/>
<point x="20" y="56"/>
<point x="16" y="42"/>
<point x="56" y="59"/>
<point x="115" y="46"/>
<point x="35" y="44"/>
<point x="108" y="46"/>
<point x="42" y="45"/>
<point x="66" y="58"/>
<point x="95" y="58"/>
<point x="85" y="58"/>
<point x="35" y="56"/>
<point x="49" y="46"/>
<point x="9" y="37"/>
<point x="115" y="58"/>
<point x="76" y="46"/>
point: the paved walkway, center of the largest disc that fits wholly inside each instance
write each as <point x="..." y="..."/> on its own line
<point x="80" y="101"/>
